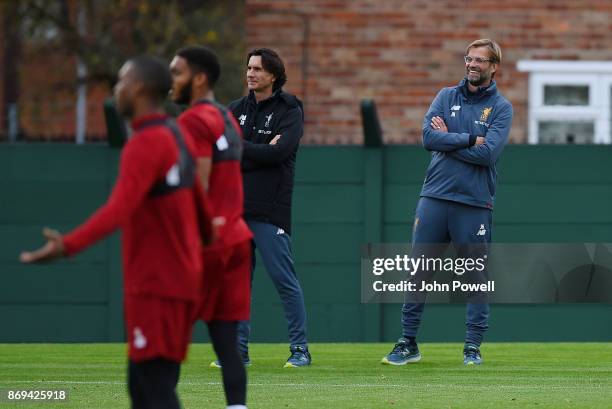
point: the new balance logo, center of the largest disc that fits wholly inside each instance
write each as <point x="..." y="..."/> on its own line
<point x="242" y="119"/>
<point x="482" y="231"/>
<point x="280" y="231"/>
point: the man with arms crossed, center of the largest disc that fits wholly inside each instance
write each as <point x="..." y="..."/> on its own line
<point x="466" y="129"/>
<point x="226" y="294"/>
<point x="160" y="207"/>
<point x="272" y="122"/>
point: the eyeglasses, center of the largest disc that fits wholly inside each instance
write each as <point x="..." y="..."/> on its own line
<point x="477" y="60"/>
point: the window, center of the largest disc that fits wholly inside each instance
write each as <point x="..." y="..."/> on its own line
<point x="570" y="102"/>
<point x="566" y="95"/>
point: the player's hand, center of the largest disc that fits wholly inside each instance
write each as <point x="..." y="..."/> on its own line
<point x="480" y="140"/>
<point x="53" y="249"/>
<point x="275" y="140"/>
<point x="438" y="124"/>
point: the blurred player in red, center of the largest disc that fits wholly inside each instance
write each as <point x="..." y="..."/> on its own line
<point x="217" y="137"/>
<point x="160" y="206"/>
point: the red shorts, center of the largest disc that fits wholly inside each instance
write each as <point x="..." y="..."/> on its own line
<point x="158" y="327"/>
<point x="226" y="294"/>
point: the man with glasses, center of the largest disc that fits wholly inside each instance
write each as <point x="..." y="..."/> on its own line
<point x="466" y="129"/>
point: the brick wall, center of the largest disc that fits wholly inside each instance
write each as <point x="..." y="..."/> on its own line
<point x="401" y="52"/>
<point x="47" y="101"/>
<point x="47" y="94"/>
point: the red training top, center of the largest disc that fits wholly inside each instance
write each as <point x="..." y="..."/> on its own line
<point x="162" y="235"/>
<point x="207" y="127"/>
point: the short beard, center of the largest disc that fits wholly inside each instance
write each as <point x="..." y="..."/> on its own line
<point x="481" y="80"/>
<point x="477" y="82"/>
<point x="184" y="96"/>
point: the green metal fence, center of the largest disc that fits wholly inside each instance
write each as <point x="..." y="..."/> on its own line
<point x="344" y="197"/>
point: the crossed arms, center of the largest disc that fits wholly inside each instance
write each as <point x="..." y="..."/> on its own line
<point x="288" y="135"/>
<point x="474" y="149"/>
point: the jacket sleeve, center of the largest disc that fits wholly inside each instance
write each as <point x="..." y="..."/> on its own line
<point x="442" y="141"/>
<point x="138" y="170"/>
<point x="291" y="129"/>
<point x="204" y="213"/>
<point x="201" y="134"/>
<point x="495" y="140"/>
<point x="245" y="164"/>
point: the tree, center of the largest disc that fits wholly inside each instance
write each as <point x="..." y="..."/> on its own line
<point x="116" y="30"/>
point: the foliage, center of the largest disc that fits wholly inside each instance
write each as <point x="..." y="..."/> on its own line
<point x="112" y="31"/>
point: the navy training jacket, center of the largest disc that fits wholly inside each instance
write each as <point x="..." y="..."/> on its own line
<point x="459" y="170"/>
<point x="268" y="171"/>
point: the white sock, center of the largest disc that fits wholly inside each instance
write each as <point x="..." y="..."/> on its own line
<point x="236" y="407"/>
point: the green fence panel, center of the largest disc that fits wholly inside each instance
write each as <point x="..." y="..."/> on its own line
<point x="344" y="197"/>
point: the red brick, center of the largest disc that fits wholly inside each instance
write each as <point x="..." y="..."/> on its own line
<point x="402" y="52"/>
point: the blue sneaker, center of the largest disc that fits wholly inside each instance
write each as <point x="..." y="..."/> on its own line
<point x="471" y="355"/>
<point x="403" y="352"/>
<point x="245" y="359"/>
<point x="299" y="357"/>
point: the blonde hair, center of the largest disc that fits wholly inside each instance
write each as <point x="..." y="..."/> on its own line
<point x="492" y="46"/>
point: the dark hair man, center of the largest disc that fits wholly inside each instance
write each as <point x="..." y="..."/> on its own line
<point x="272" y="122"/>
<point x="218" y="147"/>
<point x="466" y="129"/>
<point x="160" y="207"/>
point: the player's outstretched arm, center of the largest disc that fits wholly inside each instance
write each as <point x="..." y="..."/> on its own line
<point x="53" y="248"/>
<point x="138" y="170"/>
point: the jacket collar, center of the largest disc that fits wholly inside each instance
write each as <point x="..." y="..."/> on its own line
<point x="480" y="93"/>
<point x="275" y="94"/>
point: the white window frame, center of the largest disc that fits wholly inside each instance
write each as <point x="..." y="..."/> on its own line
<point x="597" y="75"/>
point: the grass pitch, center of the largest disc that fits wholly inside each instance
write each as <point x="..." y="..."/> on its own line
<point x="342" y="376"/>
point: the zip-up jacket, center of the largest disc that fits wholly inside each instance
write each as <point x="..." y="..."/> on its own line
<point x="459" y="170"/>
<point x="268" y="170"/>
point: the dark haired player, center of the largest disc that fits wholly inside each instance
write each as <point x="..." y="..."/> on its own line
<point x="160" y="206"/>
<point x="272" y="122"/>
<point x="218" y="141"/>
